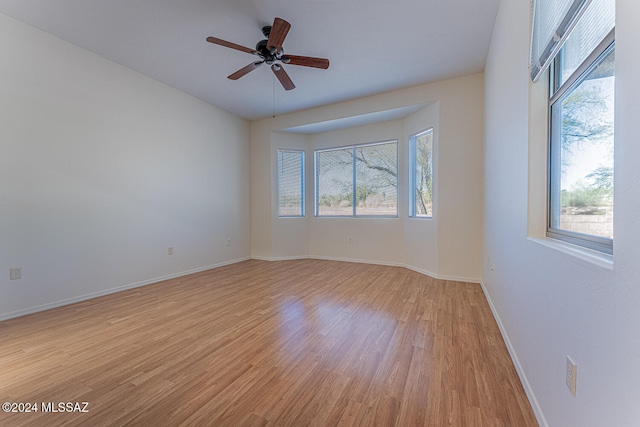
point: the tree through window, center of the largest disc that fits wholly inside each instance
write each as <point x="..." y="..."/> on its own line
<point x="421" y="174"/>
<point x="359" y="180"/>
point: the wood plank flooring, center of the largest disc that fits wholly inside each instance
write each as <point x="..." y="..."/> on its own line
<point x="289" y="343"/>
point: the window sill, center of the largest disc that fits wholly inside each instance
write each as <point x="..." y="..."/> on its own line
<point x="593" y="257"/>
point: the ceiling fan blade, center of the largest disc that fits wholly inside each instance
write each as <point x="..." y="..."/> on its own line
<point x="282" y="75"/>
<point x="225" y="43"/>
<point x="245" y="70"/>
<point x="306" y="61"/>
<point x="279" y="31"/>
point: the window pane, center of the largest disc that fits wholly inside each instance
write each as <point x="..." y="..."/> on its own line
<point x="334" y="182"/>
<point x="582" y="154"/>
<point x="421" y="147"/>
<point x="593" y="27"/>
<point x="290" y="183"/>
<point x="377" y="179"/>
<point x="358" y="180"/>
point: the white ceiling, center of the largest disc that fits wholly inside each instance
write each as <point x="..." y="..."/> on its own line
<point x="373" y="45"/>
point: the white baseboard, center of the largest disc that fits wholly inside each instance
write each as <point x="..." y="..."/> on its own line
<point x="516" y="362"/>
<point x="442" y="277"/>
<point x="283" y="258"/>
<point x="365" y="261"/>
<point x="357" y="260"/>
<point x="60" y="303"/>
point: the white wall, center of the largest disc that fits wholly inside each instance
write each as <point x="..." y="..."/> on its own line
<point x="553" y="301"/>
<point x="292" y="236"/>
<point x="373" y="239"/>
<point x="102" y="169"/>
<point x="447" y="246"/>
<point x="262" y="209"/>
<point x="420" y="235"/>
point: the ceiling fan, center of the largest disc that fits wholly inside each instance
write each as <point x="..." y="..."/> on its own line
<point x="271" y="52"/>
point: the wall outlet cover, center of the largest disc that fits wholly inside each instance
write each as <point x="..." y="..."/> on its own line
<point x="15" y="273"/>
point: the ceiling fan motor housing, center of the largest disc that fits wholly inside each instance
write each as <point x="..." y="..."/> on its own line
<point x="265" y="53"/>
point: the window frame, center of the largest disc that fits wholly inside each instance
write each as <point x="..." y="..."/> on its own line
<point x="558" y="92"/>
<point x="353" y="148"/>
<point x="302" y="181"/>
<point x="412" y="173"/>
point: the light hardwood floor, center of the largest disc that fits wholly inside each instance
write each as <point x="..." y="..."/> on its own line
<point x="289" y="343"/>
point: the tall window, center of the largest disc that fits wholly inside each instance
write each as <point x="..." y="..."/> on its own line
<point x="421" y="176"/>
<point x="359" y="180"/>
<point x="290" y="183"/>
<point x="581" y="157"/>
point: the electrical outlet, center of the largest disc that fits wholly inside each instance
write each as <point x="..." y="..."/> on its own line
<point x="350" y="240"/>
<point x="170" y="250"/>
<point x="572" y="372"/>
<point x="228" y="242"/>
<point x="15" y="273"/>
